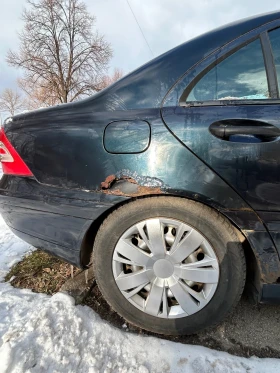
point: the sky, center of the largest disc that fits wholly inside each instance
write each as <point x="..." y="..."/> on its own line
<point x="165" y="23"/>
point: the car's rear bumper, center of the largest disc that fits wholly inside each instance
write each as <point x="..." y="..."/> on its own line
<point x="56" y="233"/>
<point x="51" y="219"/>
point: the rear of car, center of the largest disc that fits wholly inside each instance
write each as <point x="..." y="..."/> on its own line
<point x="133" y="172"/>
<point x="152" y="262"/>
<point x="45" y="217"/>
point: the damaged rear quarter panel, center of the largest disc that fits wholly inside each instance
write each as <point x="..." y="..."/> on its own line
<point x="73" y="143"/>
<point x="67" y="152"/>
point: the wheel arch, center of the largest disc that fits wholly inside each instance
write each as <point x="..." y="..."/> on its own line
<point x="253" y="267"/>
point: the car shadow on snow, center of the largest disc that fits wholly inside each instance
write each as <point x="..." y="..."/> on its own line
<point x="250" y="330"/>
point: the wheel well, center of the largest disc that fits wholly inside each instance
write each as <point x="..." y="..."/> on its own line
<point x="253" y="270"/>
<point x="89" y="238"/>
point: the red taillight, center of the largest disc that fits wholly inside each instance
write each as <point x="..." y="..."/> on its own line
<point x="12" y="163"/>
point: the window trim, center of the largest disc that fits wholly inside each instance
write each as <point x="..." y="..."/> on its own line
<point x="269" y="101"/>
<point x="270" y="74"/>
<point x="269" y="65"/>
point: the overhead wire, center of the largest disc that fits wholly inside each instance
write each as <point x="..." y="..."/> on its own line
<point x="140" y="27"/>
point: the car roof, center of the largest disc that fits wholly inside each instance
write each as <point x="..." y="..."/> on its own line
<point x="146" y="86"/>
<point x="208" y="42"/>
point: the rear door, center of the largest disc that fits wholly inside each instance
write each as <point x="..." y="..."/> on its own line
<point x="227" y="111"/>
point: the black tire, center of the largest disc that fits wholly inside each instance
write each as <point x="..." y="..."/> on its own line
<point x="217" y="230"/>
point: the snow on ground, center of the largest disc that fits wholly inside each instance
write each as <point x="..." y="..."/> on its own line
<point x="50" y="334"/>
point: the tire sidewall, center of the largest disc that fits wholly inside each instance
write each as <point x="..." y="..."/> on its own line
<point x="222" y="240"/>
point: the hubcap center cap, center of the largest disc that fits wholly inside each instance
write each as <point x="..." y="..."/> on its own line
<point x="163" y="268"/>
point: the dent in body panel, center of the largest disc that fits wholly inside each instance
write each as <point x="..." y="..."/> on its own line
<point x="27" y="193"/>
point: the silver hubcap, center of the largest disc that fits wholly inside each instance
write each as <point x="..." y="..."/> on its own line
<point x="165" y="268"/>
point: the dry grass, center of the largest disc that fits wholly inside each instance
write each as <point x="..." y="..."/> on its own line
<point x="40" y="272"/>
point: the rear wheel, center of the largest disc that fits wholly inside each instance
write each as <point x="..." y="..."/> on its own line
<point x="169" y="265"/>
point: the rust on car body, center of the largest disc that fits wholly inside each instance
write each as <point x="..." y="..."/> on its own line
<point x="266" y="255"/>
<point x="108" y="181"/>
<point x="125" y="185"/>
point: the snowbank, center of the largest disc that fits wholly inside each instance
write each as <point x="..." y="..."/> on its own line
<point x="50" y="334"/>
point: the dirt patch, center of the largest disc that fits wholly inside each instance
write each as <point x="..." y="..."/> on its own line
<point x="40" y="272"/>
<point x="241" y="334"/>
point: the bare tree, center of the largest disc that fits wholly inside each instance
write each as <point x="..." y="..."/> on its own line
<point x="59" y="51"/>
<point x="38" y="96"/>
<point x="11" y="101"/>
<point x="110" y="79"/>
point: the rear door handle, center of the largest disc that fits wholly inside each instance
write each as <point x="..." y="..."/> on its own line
<point x="226" y="128"/>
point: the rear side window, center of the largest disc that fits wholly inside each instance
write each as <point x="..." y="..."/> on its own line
<point x="275" y="44"/>
<point x="241" y="76"/>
